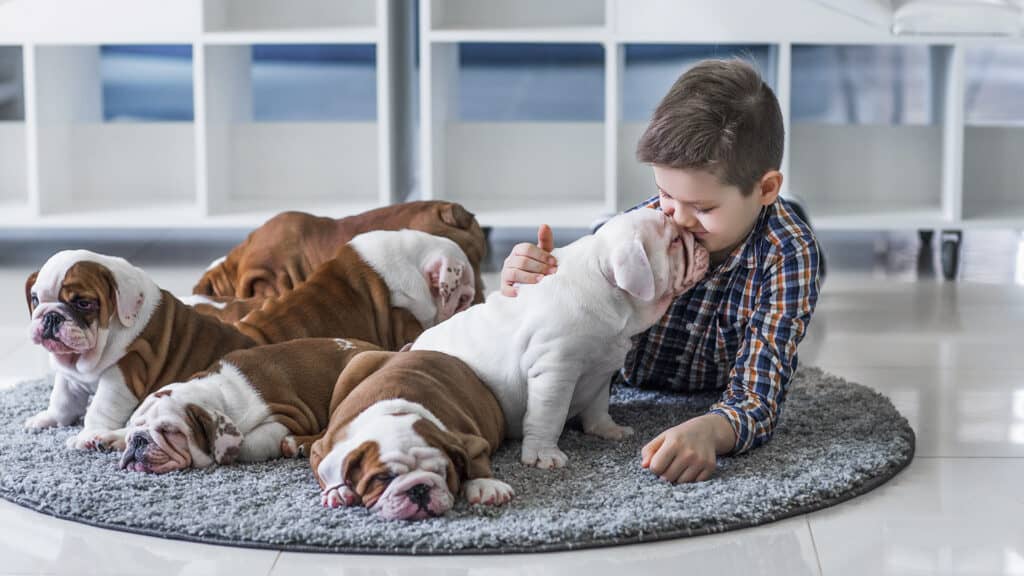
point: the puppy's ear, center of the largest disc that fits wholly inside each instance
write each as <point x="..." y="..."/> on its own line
<point x="355" y="463"/>
<point x="28" y="289"/>
<point x="630" y="269"/>
<point x="214" y="433"/>
<point x="467" y="454"/>
<point x="128" y="296"/>
<point x="455" y="215"/>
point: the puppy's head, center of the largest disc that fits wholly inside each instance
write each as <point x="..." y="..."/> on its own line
<point x="647" y="258"/>
<point x="411" y="470"/>
<point x="77" y="299"/>
<point x="165" y="434"/>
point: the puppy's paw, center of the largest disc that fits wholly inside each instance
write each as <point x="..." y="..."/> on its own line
<point x="487" y="491"/>
<point x="545" y="457"/>
<point x="289" y="447"/>
<point x="608" y="430"/>
<point x="98" y="440"/>
<point x="41" y="421"/>
<point x="338" y="497"/>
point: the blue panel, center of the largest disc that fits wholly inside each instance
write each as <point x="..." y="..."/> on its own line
<point x="885" y="85"/>
<point x="146" y="83"/>
<point x="531" y="82"/>
<point x="300" y="83"/>
<point x="995" y="86"/>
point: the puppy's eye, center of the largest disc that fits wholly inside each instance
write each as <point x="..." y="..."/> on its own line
<point x="35" y="300"/>
<point x="677" y="239"/>
<point x="384" y="478"/>
<point x="85" y="304"/>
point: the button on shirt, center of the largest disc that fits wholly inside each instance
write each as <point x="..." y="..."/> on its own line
<point x="738" y="329"/>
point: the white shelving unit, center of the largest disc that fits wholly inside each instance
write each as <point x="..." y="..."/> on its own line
<point x="62" y="165"/>
<point x="941" y="173"/>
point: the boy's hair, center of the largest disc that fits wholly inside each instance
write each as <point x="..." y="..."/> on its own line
<point x="721" y="117"/>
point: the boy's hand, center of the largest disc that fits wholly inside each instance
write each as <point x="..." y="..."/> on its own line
<point x="527" y="263"/>
<point x="687" y="452"/>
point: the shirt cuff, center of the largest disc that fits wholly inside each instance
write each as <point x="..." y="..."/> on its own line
<point x="742" y="424"/>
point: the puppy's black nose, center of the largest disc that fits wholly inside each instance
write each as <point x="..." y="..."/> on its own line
<point x="419" y="494"/>
<point x="136" y="449"/>
<point x="51" y="324"/>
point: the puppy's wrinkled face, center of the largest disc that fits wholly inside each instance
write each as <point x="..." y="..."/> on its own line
<point x="401" y="477"/>
<point x="165" y="435"/>
<point x="675" y="262"/>
<point x="71" y="318"/>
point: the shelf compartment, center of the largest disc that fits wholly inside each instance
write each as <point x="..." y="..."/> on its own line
<point x="450" y="15"/>
<point x="295" y="15"/>
<point x="290" y="127"/>
<point x="518" y="131"/>
<point x="855" y="170"/>
<point x="994" y="135"/>
<point x="867" y="135"/>
<point x="87" y="165"/>
<point x="527" y="173"/>
<point x="13" y="158"/>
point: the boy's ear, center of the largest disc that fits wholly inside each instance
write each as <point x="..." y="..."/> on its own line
<point x="769" y="187"/>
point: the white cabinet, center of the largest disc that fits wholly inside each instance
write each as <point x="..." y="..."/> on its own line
<point x="228" y="162"/>
<point x="63" y="163"/>
<point x="875" y="171"/>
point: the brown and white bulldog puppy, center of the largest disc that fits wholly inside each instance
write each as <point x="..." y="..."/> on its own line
<point x="281" y="254"/>
<point x="408" y="432"/>
<point x="253" y="405"/>
<point x="115" y="336"/>
<point x="383" y="287"/>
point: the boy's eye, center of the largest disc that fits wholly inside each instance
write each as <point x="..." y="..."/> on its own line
<point x="703" y="210"/>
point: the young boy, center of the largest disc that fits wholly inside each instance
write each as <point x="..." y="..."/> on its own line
<point x="715" y="143"/>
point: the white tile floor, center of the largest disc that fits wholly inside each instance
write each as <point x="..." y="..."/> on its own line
<point x="948" y="354"/>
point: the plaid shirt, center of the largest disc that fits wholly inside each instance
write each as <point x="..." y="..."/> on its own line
<point x="739" y="328"/>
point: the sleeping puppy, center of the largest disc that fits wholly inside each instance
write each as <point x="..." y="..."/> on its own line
<point x="383" y="287"/>
<point x="115" y="336"/>
<point x="409" y="431"/>
<point x="281" y="254"/>
<point x="255" y="404"/>
<point x="550" y="353"/>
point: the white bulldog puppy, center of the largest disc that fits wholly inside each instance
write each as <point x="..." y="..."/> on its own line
<point x="113" y="337"/>
<point x="550" y="353"/>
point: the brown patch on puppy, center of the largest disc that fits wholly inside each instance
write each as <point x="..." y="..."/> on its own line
<point x="207" y="429"/>
<point x="90" y="290"/>
<point x="364" y="473"/>
<point x="28" y="290"/>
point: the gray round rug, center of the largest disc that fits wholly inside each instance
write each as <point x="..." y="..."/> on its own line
<point x="836" y="440"/>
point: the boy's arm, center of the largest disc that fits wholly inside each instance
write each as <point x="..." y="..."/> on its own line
<point x="767" y="357"/>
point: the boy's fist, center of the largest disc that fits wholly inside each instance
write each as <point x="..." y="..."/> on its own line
<point x="528" y="263"/>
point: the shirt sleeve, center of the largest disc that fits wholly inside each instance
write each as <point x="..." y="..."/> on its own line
<point x="760" y="377"/>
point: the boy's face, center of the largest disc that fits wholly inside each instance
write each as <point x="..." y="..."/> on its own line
<point x="719" y="215"/>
